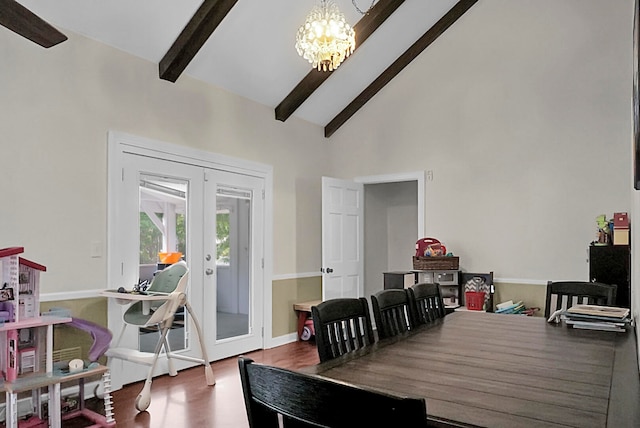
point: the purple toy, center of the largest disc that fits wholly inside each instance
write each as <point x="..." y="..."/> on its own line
<point x="6" y="311"/>
<point x="101" y="337"/>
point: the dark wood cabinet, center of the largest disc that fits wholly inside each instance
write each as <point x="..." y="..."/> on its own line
<point x="611" y="264"/>
<point x="399" y="279"/>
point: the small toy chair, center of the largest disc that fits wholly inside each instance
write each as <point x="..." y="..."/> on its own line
<point x="6" y="311"/>
<point x="170" y="283"/>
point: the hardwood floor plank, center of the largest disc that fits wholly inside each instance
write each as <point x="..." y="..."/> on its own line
<point x="186" y="400"/>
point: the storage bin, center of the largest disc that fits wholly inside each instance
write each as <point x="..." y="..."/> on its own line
<point x="436" y="263"/>
<point x="475" y="300"/>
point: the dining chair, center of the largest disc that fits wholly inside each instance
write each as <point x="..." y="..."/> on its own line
<point x="392" y="312"/>
<point x="304" y="400"/>
<point x="341" y="326"/>
<point x="564" y="294"/>
<point x="426" y="303"/>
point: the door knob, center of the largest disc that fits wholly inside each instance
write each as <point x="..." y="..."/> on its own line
<point x="209" y="271"/>
<point x="329" y="270"/>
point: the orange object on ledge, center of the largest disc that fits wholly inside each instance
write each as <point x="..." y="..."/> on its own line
<point x="170" y="258"/>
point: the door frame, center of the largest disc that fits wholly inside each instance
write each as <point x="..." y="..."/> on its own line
<point x="417" y="176"/>
<point x="120" y="143"/>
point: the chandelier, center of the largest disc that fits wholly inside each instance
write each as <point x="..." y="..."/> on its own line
<point x="325" y="39"/>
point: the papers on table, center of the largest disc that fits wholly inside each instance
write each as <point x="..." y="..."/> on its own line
<point x="594" y="317"/>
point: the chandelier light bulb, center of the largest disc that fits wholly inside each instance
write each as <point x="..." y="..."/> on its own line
<point x="325" y="39"/>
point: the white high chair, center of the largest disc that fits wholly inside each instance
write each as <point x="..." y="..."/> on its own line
<point x="158" y="307"/>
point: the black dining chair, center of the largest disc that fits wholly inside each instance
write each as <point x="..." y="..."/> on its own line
<point x="564" y="294"/>
<point x="304" y="400"/>
<point x="392" y="312"/>
<point x="427" y="305"/>
<point x="341" y="326"/>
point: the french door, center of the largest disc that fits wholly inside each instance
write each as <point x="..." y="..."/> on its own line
<point x="214" y="219"/>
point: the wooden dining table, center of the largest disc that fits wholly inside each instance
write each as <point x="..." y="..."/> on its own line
<point x="492" y="370"/>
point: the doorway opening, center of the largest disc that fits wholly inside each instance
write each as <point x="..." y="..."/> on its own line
<point x="394" y="213"/>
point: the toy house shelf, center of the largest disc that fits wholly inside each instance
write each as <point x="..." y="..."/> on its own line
<point x="26" y="339"/>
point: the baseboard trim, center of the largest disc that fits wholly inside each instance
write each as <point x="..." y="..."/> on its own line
<point x="519" y="281"/>
<point x="69" y="295"/>
<point x="282" y="340"/>
<point x="295" y="276"/>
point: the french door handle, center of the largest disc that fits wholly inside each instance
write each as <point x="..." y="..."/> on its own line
<point x="208" y="271"/>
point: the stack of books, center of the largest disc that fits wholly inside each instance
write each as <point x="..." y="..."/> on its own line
<point x="509" y="307"/>
<point x="594" y="317"/>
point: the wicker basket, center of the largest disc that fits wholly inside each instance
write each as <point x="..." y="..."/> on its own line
<point x="436" y="263"/>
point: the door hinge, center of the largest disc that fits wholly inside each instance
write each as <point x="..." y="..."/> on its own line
<point x="262" y="194"/>
<point x="262" y="263"/>
<point x="262" y="332"/>
<point x="122" y="175"/>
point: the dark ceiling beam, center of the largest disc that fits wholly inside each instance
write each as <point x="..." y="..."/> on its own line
<point x="193" y="37"/>
<point x="399" y="64"/>
<point x="363" y="28"/>
<point x="22" y="21"/>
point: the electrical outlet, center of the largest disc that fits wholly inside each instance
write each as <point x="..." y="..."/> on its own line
<point x="430" y="175"/>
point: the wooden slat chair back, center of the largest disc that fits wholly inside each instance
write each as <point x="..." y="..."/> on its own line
<point x="308" y="401"/>
<point x="392" y="312"/>
<point x="341" y="326"/>
<point x="564" y="294"/>
<point x="427" y="305"/>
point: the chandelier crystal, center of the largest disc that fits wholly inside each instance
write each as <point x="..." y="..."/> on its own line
<point x="325" y="39"/>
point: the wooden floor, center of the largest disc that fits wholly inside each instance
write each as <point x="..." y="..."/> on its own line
<point x="186" y="400"/>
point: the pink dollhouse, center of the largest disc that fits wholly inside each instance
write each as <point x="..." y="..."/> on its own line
<point x="19" y="286"/>
<point x="26" y="339"/>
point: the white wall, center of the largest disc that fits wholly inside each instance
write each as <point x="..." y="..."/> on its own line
<point x="56" y="107"/>
<point x="522" y="109"/>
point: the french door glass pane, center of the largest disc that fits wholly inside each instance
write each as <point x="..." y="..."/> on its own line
<point x="163" y="226"/>
<point x="233" y="262"/>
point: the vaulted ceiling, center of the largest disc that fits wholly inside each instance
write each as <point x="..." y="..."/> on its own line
<point x="247" y="46"/>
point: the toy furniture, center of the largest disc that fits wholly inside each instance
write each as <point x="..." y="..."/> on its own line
<point x="6" y="311"/>
<point x="157" y="307"/>
<point x="26" y="338"/>
<point x="305" y="324"/>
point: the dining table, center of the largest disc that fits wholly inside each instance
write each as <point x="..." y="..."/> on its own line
<point x="477" y="369"/>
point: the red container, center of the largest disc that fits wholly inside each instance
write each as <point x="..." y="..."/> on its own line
<point x="475" y="300"/>
<point x="620" y="221"/>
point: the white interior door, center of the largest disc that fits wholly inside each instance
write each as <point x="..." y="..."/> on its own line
<point x="342" y="238"/>
<point x="183" y="203"/>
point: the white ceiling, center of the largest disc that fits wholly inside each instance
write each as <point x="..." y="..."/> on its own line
<point x="252" y="51"/>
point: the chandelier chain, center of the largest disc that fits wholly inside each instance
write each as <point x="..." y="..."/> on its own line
<point x="363" y="12"/>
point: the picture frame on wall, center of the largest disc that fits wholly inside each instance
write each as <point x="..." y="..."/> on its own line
<point x="636" y="95"/>
<point x="6" y="294"/>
